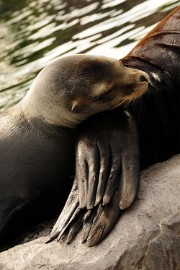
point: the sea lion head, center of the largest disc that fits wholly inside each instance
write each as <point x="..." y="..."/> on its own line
<point x="72" y="88"/>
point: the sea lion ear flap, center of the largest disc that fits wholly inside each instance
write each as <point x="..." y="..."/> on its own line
<point x="79" y="105"/>
<point x="74" y="105"/>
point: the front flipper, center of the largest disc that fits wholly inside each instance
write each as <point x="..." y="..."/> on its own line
<point x="108" y="147"/>
<point x="107" y="157"/>
<point x="69" y="213"/>
<point x="96" y="223"/>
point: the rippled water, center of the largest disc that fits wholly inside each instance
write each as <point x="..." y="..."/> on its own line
<point x="35" y="32"/>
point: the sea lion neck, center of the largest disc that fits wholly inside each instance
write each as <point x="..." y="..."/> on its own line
<point x="34" y="108"/>
<point x="36" y="125"/>
<point x="54" y="132"/>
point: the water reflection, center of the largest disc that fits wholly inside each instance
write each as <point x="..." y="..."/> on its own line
<point x="35" y="32"/>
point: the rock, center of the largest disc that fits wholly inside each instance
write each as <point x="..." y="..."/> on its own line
<point x="147" y="236"/>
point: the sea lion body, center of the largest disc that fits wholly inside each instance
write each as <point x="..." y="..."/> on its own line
<point x="157" y="116"/>
<point x="157" y="112"/>
<point x="37" y="136"/>
<point x="36" y="162"/>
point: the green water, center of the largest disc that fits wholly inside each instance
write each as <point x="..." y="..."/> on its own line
<point x="33" y="33"/>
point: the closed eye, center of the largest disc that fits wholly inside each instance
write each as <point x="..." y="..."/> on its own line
<point x="103" y="95"/>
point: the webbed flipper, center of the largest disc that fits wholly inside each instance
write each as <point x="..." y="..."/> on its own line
<point x="96" y="223"/>
<point x="69" y="213"/>
<point x="104" y="221"/>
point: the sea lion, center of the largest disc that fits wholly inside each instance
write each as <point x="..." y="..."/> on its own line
<point x="37" y="136"/>
<point x="157" y="125"/>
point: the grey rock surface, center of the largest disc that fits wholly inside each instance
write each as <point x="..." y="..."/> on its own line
<point x="147" y="236"/>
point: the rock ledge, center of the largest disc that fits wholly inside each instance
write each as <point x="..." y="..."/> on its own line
<point x="147" y="236"/>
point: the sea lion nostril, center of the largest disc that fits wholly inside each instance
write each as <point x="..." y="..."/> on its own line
<point x="142" y="78"/>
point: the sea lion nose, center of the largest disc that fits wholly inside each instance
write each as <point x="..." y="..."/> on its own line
<point x="142" y="78"/>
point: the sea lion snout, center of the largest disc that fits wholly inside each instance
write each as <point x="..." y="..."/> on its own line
<point x="141" y="85"/>
<point x="135" y="76"/>
<point x="128" y="84"/>
<point x="139" y="79"/>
